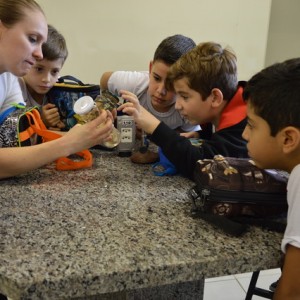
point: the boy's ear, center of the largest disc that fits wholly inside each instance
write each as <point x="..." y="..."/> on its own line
<point x="291" y="139"/>
<point x="150" y="65"/>
<point x="216" y="97"/>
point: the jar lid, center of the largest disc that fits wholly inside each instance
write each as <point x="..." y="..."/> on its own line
<point x="83" y="105"/>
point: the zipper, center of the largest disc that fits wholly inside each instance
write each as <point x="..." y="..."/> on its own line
<point x="247" y="197"/>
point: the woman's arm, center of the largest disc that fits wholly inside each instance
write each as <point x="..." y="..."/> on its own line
<point x="18" y="160"/>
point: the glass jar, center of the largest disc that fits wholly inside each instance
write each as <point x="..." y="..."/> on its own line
<point x="86" y="110"/>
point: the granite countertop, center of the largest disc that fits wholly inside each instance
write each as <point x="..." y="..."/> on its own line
<point x="110" y="228"/>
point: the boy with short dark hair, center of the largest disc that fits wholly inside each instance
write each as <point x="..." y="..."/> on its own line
<point x="149" y="87"/>
<point x="43" y="75"/>
<point x="273" y="141"/>
<point x="207" y="91"/>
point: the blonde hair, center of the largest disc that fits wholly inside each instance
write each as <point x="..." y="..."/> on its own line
<point x="13" y="11"/>
<point x="205" y="67"/>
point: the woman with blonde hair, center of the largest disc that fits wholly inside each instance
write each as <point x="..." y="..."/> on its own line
<point x="23" y="30"/>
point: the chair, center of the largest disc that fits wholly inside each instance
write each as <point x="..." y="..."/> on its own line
<point x="254" y="290"/>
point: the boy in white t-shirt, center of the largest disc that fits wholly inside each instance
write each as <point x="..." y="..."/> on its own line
<point x="273" y="141"/>
<point x="149" y="87"/>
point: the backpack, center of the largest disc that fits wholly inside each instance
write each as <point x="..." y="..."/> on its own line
<point x="64" y="94"/>
<point x="23" y="126"/>
<point x="232" y="193"/>
<point x="15" y="128"/>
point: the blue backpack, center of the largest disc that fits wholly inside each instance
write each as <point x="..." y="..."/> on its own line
<point x="66" y="92"/>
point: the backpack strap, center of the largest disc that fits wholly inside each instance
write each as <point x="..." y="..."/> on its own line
<point x="62" y="163"/>
<point x="65" y="78"/>
<point x="29" y="131"/>
<point x="11" y="109"/>
<point x="65" y="163"/>
<point x="229" y="226"/>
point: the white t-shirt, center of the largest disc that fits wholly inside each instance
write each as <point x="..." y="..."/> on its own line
<point x="137" y="83"/>
<point x="292" y="232"/>
<point x="10" y="91"/>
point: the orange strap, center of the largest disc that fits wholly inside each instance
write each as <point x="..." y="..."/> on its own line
<point x="26" y="134"/>
<point x="63" y="163"/>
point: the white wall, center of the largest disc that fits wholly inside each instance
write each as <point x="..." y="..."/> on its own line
<point x="284" y="31"/>
<point x="123" y="35"/>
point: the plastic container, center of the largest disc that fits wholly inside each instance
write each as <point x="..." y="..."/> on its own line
<point x="86" y="110"/>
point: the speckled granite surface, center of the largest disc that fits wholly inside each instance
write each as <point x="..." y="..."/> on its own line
<point x="113" y="228"/>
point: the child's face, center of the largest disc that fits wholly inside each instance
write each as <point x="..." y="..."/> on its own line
<point x="191" y="105"/>
<point x="160" y="98"/>
<point x="263" y="148"/>
<point x="43" y="75"/>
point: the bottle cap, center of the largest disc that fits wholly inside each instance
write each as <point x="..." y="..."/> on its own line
<point x="83" y="105"/>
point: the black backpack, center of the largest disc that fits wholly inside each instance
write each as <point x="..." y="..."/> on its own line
<point x="65" y="92"/>
<point x="232" y="193"/>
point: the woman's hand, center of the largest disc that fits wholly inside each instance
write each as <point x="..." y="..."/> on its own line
<point x="143" y="119"/>
<point x="90" y="134"/>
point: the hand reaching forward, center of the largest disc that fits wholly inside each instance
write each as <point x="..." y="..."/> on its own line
<point x="143" y="119"/>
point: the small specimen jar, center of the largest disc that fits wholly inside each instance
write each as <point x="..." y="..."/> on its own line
<point x="86" y="110"/>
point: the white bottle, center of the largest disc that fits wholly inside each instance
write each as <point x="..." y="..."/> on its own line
<point x="86" y="110"/>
